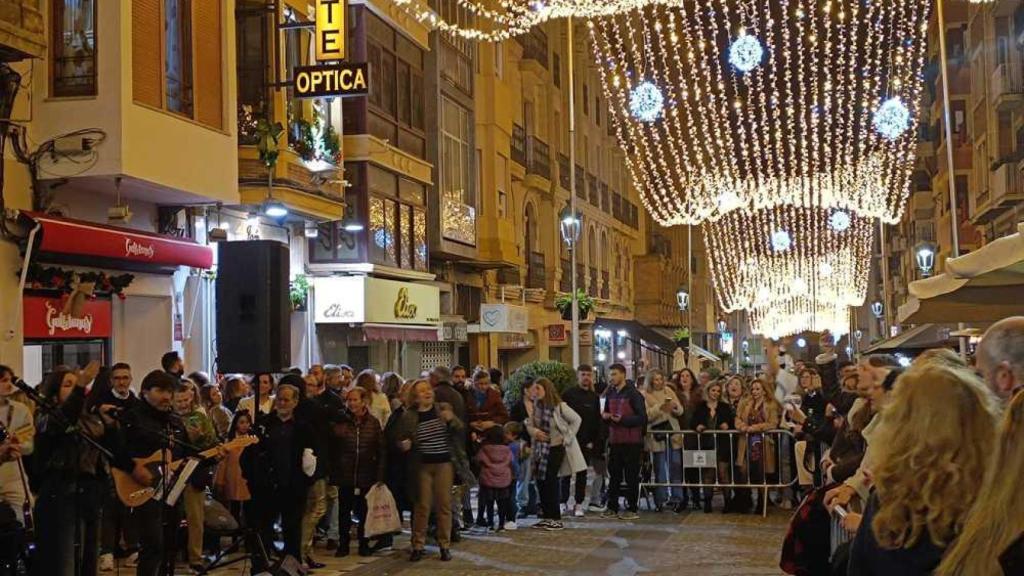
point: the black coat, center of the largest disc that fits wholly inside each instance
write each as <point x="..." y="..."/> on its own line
<point x="262" y="464"/>
<point x="723" y="415"/>
<point x="587" y="404"/>
<point x="868" y="558"/>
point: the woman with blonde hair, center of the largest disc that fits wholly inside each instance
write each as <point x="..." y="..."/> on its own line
<point x="759" y="412"/>
<point x="927" y="470"/>
<point x="996" y="521"/>
<point x="380" y="406"/>
<point x="663" y="411"/>
<point x="552" y="425"/>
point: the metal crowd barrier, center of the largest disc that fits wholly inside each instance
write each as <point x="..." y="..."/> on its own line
<point x="837" y="534"/>
<point x="723" y="459"/>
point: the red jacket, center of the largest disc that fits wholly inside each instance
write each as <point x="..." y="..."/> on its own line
<point x="493" y="408"/>
<point x="495" y="465"/>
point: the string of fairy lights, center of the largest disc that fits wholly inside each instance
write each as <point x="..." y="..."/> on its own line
<point x="784" y="128"/>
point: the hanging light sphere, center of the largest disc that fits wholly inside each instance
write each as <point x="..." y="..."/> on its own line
<point x="646" y="102"/>
<point x="839" y="221"/>
<point x="781" y="241"/>
<point x="892" y="118"/>
<point x="746" y="53"/>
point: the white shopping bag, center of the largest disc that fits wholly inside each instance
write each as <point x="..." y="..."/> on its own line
<point x="381" y="512"/>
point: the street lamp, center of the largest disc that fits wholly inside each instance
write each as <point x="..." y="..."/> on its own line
<point x="876" y="309"/>
<point x="925" y="259"/>
<point x="683" y="299"/>
<point x="571" y="224"/>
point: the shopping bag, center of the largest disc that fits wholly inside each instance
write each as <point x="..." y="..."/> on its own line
<point x="381" y="512"/>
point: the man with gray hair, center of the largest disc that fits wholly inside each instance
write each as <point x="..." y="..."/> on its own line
<point x="1000" y="357"/>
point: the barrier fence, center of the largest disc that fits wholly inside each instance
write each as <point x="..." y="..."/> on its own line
<point x="727" y="460"/>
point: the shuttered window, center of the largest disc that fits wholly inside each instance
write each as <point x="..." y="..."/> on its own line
<point x="177" y="57"/>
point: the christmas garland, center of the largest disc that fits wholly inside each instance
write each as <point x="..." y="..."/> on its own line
<point x="66" y="281"/>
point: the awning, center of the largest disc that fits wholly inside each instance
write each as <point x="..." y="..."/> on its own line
<point x="920" y="337"/>
<point x="983" y="286"/>
<point x="64" y="240"/>
<point x="637" y="331"/>
<point x="395" y="332"/>
<point x="698" y="351"/>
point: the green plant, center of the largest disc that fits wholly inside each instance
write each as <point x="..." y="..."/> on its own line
<point x="301" y="139"/>
<point x="298" y="290"/>
<point x="561" y="375"/>
<point x="583" y="302"/>
<point x="267" y="136"/>
<point x="681" y="334"/>
<point x="332" y="145"/>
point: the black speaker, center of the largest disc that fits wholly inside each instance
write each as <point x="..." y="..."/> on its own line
<point x="253" y="307"/>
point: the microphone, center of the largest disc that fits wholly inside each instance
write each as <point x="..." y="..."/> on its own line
<point x="29" y="391"/>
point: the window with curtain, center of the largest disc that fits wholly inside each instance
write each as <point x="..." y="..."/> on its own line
<point x="458" y="200"/>
<point x="178" y="55"/>
<point x="73" y="46"/>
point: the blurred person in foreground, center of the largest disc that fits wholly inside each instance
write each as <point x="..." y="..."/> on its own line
<point x="1001" y="357"/>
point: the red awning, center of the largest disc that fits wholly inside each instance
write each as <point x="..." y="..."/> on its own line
<point x="381" y="332"/>
<point x="108" y="246"/>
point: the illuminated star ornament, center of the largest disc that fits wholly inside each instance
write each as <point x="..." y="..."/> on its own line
<point x="746" y="53"/>
<point x="646" y="102"/>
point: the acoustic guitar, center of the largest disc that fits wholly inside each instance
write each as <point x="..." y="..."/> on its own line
<point x="138" y="487"/>
<point x="22" y="435"/>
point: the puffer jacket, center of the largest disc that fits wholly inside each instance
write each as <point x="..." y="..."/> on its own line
<point x="359" y="454"/>
<point x="495" y="465"/>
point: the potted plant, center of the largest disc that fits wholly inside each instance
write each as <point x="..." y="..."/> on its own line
<point x="560" y="374"/>
<point x="298" y="291"/>
<point x="682" y="337"/>
<point x="583" y="302"/>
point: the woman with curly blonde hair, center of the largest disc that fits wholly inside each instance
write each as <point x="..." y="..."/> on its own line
<point x="929" y="468"/>
<point x="997" y="518"/>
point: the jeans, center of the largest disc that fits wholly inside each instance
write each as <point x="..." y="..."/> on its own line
<point x="624" y="468"/>
<point x="668" y="467"/>
<point x="434" y="488"/>
<point x="349" y="501"/>
<point x="580" y="491"/>
<point x="600" y="466"/>
<point x="488" y="500"/>
<point x="526" y="491"/>
<point x="118" y="522"/>
<point x="550" y="484"/>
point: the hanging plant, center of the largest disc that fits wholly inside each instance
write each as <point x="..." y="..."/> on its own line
<point x="682" y="337"/>
<point x="301" y="139"/>
<point x="298" y="291"/>
<point x="583" y="302"/>
<point x="332" y="145"/>
<point x="65" y="281"/>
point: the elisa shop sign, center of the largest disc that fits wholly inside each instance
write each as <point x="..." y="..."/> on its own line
<point x="45" y="319"/>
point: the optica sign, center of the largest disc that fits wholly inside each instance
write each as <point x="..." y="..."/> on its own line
<point x="342" y="79"/>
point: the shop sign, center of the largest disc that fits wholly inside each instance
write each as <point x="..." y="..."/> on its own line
<point x="586" y="337"/>
<point x="329" y="80"/>
<point x="454" y="332"/>
<point x="504" y="318"/>
<point x="516" y="341"/>
<point x="330" y="30"/>
<point x="45" y="319"/>
<point x="557" y="333"/>
<point x="364" y="299"/>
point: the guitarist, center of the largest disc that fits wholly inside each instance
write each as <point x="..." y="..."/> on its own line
<point x="143" y="431"/>
<point x="17" y="418"/>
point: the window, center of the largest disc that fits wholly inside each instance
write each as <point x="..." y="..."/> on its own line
<point x="456" y="52"/>
<point x="586" y="100"/>
<point x="178" y="55"/>
<point x="458" y="200"/>
<point x="501" y="175"/>
<point x="73" y="65"/>
<point x="251" y="43"/>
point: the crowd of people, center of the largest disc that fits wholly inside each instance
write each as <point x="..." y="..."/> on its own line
<point x="914" y="458"/>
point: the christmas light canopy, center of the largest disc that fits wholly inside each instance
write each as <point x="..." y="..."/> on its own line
<point x="746" y="53"/>
<point x="646" y="102"/>
<point x="781" y="241"/>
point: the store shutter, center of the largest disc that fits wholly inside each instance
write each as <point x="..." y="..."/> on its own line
<point x="207" y="28"/>
<point x="147" y="54"/>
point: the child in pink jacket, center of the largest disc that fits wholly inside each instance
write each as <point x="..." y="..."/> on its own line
<point x="495" y="459"/>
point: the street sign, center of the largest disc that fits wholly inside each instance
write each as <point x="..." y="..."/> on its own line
<point x="330" y="30"/>
<point x="342" y="79"/>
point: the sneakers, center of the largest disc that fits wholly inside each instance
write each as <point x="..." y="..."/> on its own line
<point x="629" y="515"/>
<point x="106" y="562"/>
<point x="595" y="508"/>
<point x="609" y="514"/>
<point x="544" y="523"/>
<point x="132" y="561"/>
<point x="577" y="511"/>
<point x="511" y="525"/>
<point x="554" y="526"/>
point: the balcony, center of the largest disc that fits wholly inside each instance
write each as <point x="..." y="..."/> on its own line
<point x="1007" y="87"/>
<point x="535" y="47"/>
<point x="518" y="145"/>
<point x="535" y="273"/>
<point x="595" y="192"/>
<point x="1006" y="188"/>
<point x="22" y="30"/>
<point x="564" y="175"/>
<point x="538" y="157"/>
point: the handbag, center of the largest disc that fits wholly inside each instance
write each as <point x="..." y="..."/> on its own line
<point x="381" y="512"/>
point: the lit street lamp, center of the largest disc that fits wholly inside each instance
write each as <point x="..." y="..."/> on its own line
<point x="876" y="309"/>
<point x="571" y="225"/>
<point x="683" y="299"/>
<point x="925" y="259"/>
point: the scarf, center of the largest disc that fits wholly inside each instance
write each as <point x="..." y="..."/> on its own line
<point x="542" y="417"/>
<point x="756" y="440"/>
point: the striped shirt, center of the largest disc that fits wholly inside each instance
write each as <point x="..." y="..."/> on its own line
<point x="432" y="438"/>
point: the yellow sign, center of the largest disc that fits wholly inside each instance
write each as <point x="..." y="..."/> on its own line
<point x="331" y="80"/>
<point x="330" y="30"/>
<point x="404" y="309"/>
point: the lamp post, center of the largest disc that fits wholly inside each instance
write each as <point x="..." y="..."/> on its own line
<point x="570" y="226"/>
<point x="925" y="256"/>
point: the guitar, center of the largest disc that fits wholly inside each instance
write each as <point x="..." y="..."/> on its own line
<point x="142" y="484"/>
<point x="21" y="436"/>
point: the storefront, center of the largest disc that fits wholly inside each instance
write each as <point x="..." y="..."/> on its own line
<point x="95" y="292"/>
<point x="369" y="322"/>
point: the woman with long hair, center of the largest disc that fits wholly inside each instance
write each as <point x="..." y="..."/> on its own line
<point x="715" y="415"/>
<point x="756" y="458"/>
<point x="379" y="405"/>
<point x="264" y="382"/>
<point x="235" y="388"/>
<point x="927" y="471"/>
<point x="213" y="401"/>
<point x="734" y="392"/>
<point x="686" y="389"/>
<point x="228" y="482"/>
<point x="552" y="425"/>
<point x="996" y="520"/>
<point x="663" y="410"/>
<point x="391" y="386"/>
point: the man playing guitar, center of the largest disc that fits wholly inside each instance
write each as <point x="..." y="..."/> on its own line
<point x="17" y="419"/>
